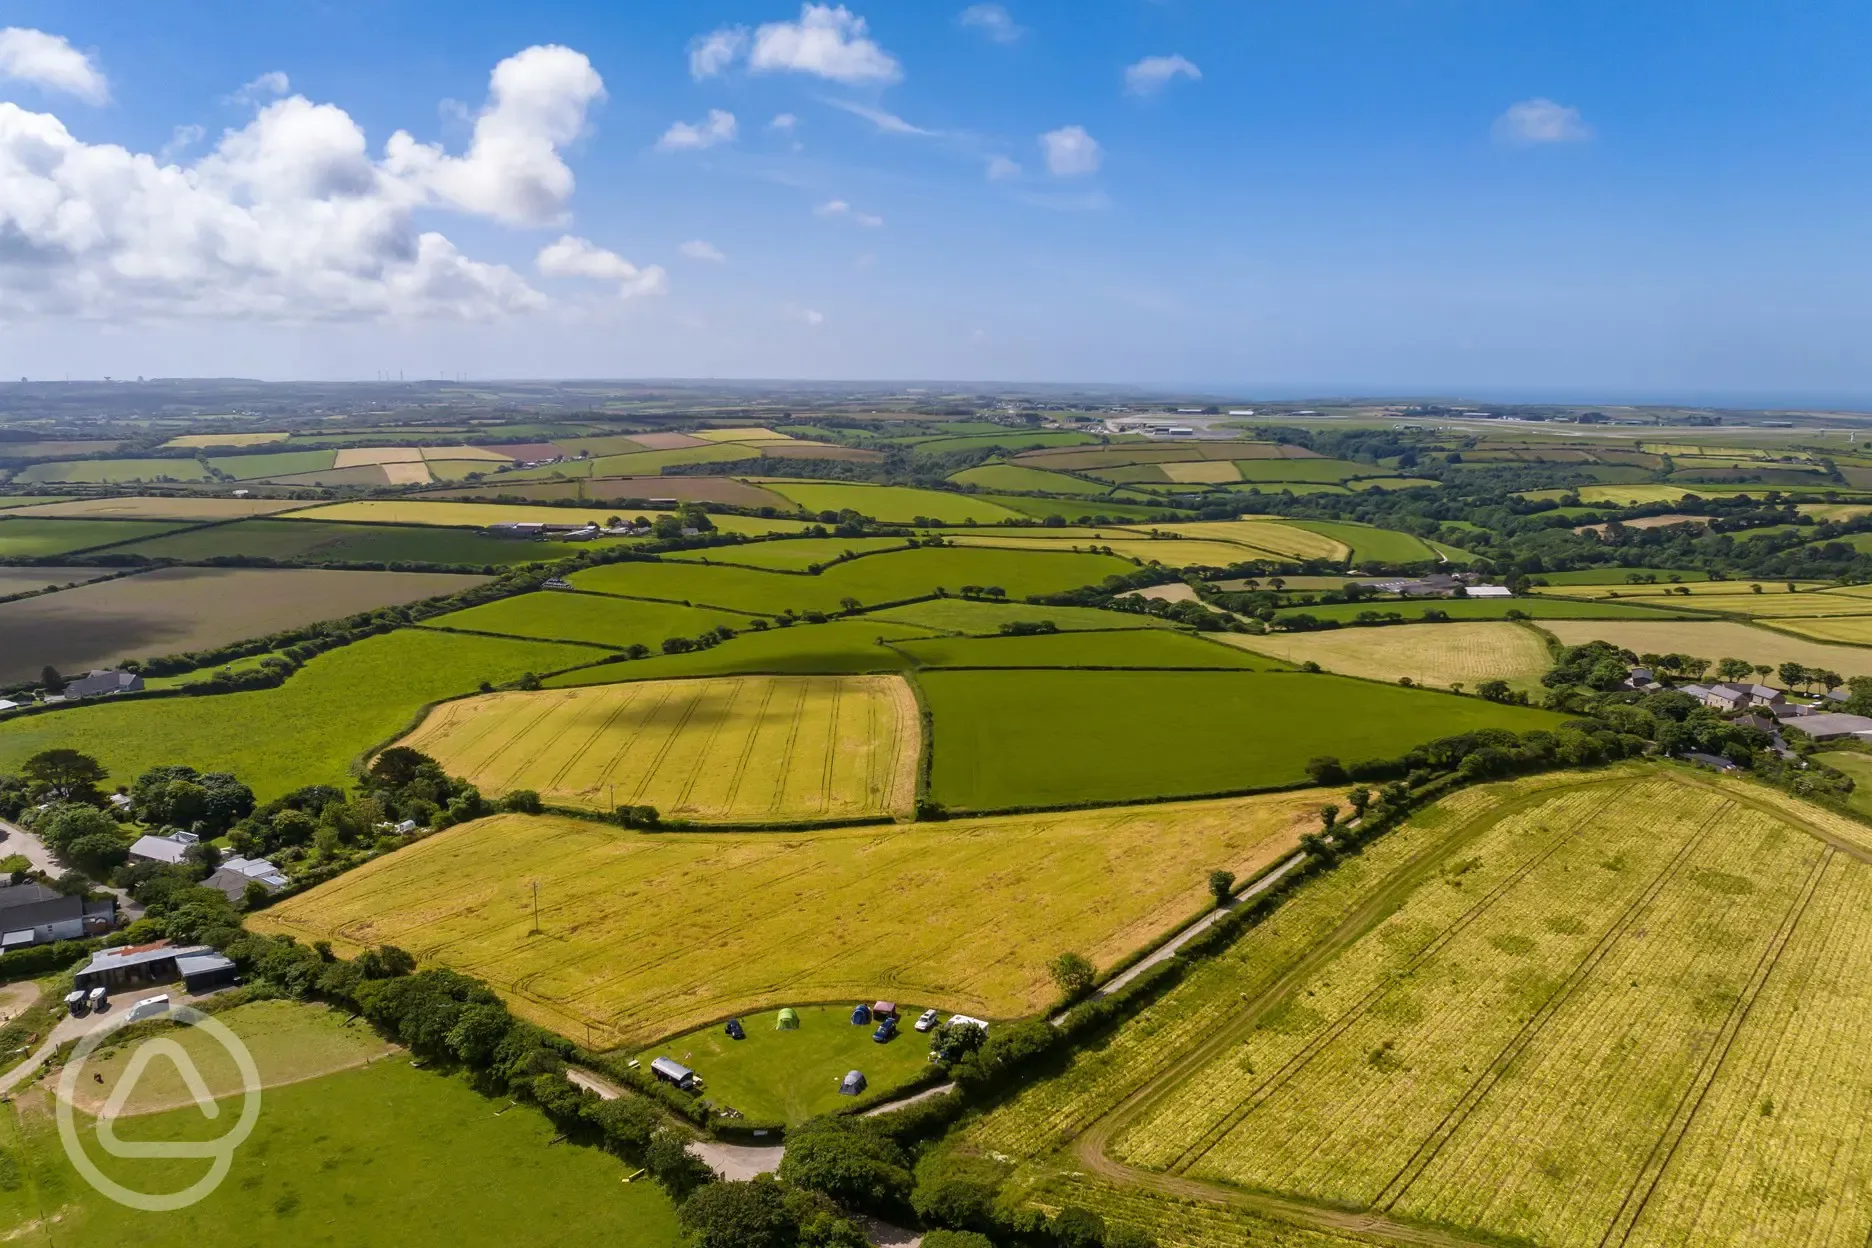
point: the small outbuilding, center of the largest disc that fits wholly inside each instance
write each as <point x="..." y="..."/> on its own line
<point x="853" y="1084"/>
<point x="669" y="1070"/>
<point x="861" y="1015"/>
<point x="788" y="1020"/>
<point x="202" y="972"/>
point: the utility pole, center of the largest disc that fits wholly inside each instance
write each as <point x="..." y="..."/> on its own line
<point x="536" y="926"/>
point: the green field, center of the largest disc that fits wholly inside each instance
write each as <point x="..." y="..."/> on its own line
<point x="111" y="471"/>
<point x="385" y="1156"/>
<point x="1329" y="471"/>
<point x="1079" y="510"/>
<point x="554" y="615"/>
<point x="308" y="730"/>
<point x="1619" y="576"/>
<point x="314" y="541"/>
<point x="1031" y="738"/>
<point x="873" y="581"/>
<point x="835" y="648"/>
<point x="1016" y="477"/>
<point x="1004" y="439"/>
<point x="273" y="464"/>
<point x="893" y="504"/>
<point x="958" y="615"/>
<point x="1136" y="647"/>
<point x="25" y="537"/>
<point x="1490" y="609"/>
<point x="796" y="555"/>
<point x="790" y="1076"/>
<point x="1370" y="545"/>
<point x="1857" y="765"/>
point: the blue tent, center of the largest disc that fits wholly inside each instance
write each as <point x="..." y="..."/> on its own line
<point x="861" y="1016"/>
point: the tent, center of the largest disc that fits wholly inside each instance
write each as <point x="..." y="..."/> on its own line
<point x="884" y="1009"/>
<point x="788" y="1020"/>
<point x="861" y="1016"/>
<point x="853" y="1084"/>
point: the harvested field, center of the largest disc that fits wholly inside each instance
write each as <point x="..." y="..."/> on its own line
<point x="364" y="456"/>
<point x="29" y="537"/>
<point x="174" y="610"/>
<point x="1017" y="738"/>
<point x="1852" y="629"/>
<point x="457" y="454"/>
<point x="406" y="473"/>
<point x="1648" y="522"/>
<point x="1295" y="541"/>
<point x="1718" y="639"/>
<point x="743" y="433"/>
<point x="736" y="749"/>
<point x="175" y="507"/>
<point x="1493" y="609"/>
<point x="650" y="935"/>
<point x="31" y="580"/>
<point x="480" y="515"/>
<point x="1169" y="552"/>
<point x="1206" y="472"/>
<point x="1435" y="655"/>
<point x="112" y="471"/>
<point x="1081" y="510"/>
<point x="1371" y="545"/>
<point x="368" y="475"/>
<point x="895" y="504"/>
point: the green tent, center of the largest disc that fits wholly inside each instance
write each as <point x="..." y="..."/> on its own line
<point x="788" y="1020"/>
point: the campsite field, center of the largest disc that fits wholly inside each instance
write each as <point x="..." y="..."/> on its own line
<point x="1515" y="1020"/>
<point x="306" y="731"/>
<point x="385" y="1156"/>
<point x="873" y="580"/>
<point x="28" y="537"/>
<point x="1717" y="639"/>
<point x="176" y="610"/>
<point x="790" y="1076"/>
<point x="755" y="749"/>
<point x="1436" y="655"/>
<point x="1009" y="738"/>
<point x="648" y="935"/>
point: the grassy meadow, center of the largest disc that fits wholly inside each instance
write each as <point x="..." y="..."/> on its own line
<point x="892" y="504"/>
<point x="835" y="647"/>
<point x="649" y="935"/>
<point x="1010" y="738"/>
<point x="1127" y="648"/>
<point x="310" y="541"/>
<point x="306" y="731"/>
<point x="186" y="507"/>
<point x="599" y="620"/>
<point x="754" y="749"/>
<point x="31" y="537"/>
<point x="959" y="615"/>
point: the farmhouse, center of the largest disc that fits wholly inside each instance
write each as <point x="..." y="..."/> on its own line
<point x="31" y="914"/>
<point x="165" y="849"/>
<point x="233" y="876"/>
<point x="99" y="684"/>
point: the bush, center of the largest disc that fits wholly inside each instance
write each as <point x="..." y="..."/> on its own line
<point x="956" y="1239"/>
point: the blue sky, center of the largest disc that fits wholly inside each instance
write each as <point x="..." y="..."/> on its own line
<point x="1480" y="196"/>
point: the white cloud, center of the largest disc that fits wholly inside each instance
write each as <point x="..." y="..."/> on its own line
<point x="719" y="127"/>
<point x="888" y="123"/>
<point x="267" y="86"/>
<point x="696" y="249"/>
<point x="1537" y="121"/>
<point x="1000" y="169"/>
<point x="783" y="122"/>
<point x="180" y="140"/>
<point x="714" y="52"/>
<point x="828" y="41"/>
<point x="1154" y="73"/>
<point x="579" y="257"/>
<point x="51" y="62"/>
<point x="839" y="208"/>
<point x="1071" y="152"/>
<point x="289" y="218"/>
<point x="537" y="102"/>
<point x="992" y="20"/>
<point x="805" y="316"/>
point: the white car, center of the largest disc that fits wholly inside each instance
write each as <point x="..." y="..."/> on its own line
<point x="926" y="1020"/>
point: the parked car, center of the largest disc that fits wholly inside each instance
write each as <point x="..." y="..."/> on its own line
<point x="735" y="1030"/>
<point x="926" y="1020"/>
<point x="885" y="1030"/>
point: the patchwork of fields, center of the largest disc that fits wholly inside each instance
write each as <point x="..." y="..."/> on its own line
<point x="648" y="935"/>
<point x="758" y="749"/>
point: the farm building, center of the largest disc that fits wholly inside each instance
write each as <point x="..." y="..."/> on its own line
<point x="1826" y="727"/>
<point x="165" y="849"/>
<point x="853" y="1084"/>
<point x="204" y="971"/>
<point x="137" y="965"/>
<point x="669" y="1070"/>
<point x="31" y="914"/>
<point x="233" y="876"/>
<point x="787" y="1021"/>
<point x="102" y="684"/>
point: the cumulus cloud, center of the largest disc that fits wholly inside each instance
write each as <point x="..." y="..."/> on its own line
<point x="684" y="136"/>
<point x="714" y="52"/>
<point x="289" y="217"/>
<point x="992" y="20"/>
<point x="537" y="103"/>
<point x="1154" y="73"/>
<point x="1071" y="152"/>
<point x="827" y="41"/>
<point x="805" y="316"/>
<point x="1000" y="169"/>
<point x="267" y="86"/>
<point x="783" y="122"/>
<point x="50" y="61"/>
<point x="838" y="208"/>
<point x="1537" y="121"/>
<point x="580" y="257"/>
<point x="696" y="249"/>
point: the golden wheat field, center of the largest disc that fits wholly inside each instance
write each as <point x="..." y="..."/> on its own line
<point x="724" y="749"/>
<point x="644" y="935"/>
<point x="1435" y="655"/>
<point x="1718" y="639"/>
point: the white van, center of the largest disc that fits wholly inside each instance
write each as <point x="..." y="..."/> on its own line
<point x="149" y="1007"/>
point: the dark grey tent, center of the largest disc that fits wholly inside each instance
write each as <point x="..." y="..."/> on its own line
<point x="853" y="1084"/>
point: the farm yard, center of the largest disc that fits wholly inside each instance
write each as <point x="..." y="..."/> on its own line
<point x="759" y="749"/>
<point x="175" y="610"/>
<point x="648" y="935"/>
<point x="1436" y="655"/>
